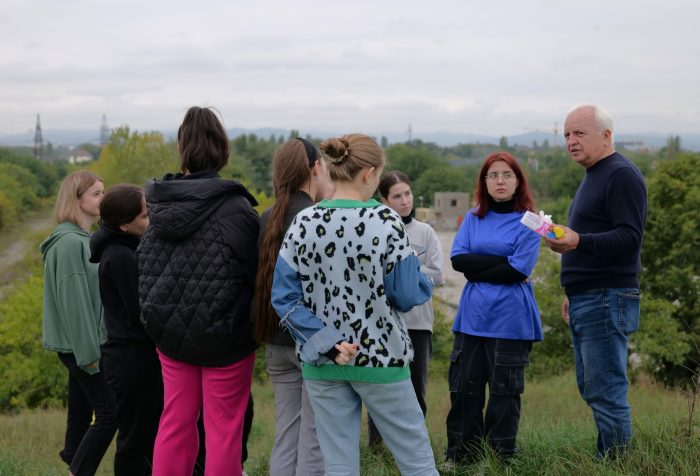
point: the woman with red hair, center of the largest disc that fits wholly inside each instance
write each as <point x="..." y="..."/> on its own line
<point x="497" y="319"/>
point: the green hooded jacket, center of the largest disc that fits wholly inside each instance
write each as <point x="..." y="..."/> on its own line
<point x="72" y="314"/>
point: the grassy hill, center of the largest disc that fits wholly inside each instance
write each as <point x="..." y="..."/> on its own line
<point x="557" y="436"/>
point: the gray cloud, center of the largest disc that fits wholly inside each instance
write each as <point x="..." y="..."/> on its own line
<point x="501" y="68"/>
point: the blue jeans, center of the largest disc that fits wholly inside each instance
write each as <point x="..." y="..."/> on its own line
<point x="422" y="341"/>
<point x="601" y="321"/>
<point x="338" y="410"/>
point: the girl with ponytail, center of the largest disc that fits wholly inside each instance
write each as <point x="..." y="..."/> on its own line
<point x="299" y="179"/>
<point x="345" y="270"/>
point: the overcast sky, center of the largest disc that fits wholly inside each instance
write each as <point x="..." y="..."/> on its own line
<point x="492" y="67"/>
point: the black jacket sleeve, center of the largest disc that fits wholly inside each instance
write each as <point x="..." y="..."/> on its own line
<point x="487" y="268"/>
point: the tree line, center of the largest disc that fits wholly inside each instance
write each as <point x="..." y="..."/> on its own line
<point x="666" y="347"/>
<point x="26" y="185"/>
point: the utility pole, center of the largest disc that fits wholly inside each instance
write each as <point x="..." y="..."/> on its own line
<point x="38" y="139"/>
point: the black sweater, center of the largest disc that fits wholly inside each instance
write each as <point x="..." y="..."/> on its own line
<point x="608" y="212"/>
<point x="119" y="280"/>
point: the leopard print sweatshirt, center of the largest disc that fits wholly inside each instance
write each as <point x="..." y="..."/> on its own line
<point x="344" y="270"/>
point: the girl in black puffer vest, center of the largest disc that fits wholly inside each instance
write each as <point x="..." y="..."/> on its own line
<point x="197" y="264"/>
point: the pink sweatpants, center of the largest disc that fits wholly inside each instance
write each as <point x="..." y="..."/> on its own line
<point x="223" y="392"/>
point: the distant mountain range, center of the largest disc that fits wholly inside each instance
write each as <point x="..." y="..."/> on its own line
<point x="636" y="141"/>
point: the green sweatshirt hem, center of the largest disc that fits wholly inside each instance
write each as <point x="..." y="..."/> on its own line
<point x="345" y="203"/>
<point x="356" y="374"/>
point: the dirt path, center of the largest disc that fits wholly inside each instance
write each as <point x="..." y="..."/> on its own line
<point x="16" y="244"/>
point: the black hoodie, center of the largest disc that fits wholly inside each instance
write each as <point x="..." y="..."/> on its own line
<point x="197" y="263"/>
<point x="119" y="278"/>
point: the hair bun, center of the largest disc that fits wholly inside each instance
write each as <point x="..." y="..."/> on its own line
<point x="336" y="149"/>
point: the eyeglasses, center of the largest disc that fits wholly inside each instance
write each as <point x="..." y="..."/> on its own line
<point x="506" y="176"/>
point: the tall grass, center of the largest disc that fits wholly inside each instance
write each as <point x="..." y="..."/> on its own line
<point x="557" y="436"/>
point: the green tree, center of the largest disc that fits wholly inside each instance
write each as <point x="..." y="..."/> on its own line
<point x="135" y="157"/>
<point x="255" y="155"/>
<point x="47" y="174"/>
<point x="412" y="160"/>
<point x="442" y="178"/>
<point x="552" y="355"/>
<point x="671" y="258"/>
<point x="672" y="148"/>
<point x="20" y="183"/>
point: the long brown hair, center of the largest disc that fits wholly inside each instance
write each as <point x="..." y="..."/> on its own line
<point x="523" y="198"/>
<point x="290" y="170"/>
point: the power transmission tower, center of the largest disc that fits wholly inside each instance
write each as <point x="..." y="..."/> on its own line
<point x="104" y="131"/>
<point x="38" y="139"/>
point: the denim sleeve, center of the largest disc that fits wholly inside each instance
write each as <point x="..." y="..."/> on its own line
<point x="406" y="286"/>
<point x="312" y="335"/>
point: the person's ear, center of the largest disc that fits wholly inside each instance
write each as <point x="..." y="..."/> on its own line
<point x="124" y="228"/>
<point x="368" y="173"/>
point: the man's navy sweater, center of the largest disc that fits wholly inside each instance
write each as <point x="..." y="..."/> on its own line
<point x="608" y="212"/>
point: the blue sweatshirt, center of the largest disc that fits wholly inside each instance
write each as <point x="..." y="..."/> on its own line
<point x="608" y="212"/>
<point x="498" y="310"/>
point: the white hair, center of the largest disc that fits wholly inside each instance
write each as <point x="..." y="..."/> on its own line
<point x="603" y="119"/>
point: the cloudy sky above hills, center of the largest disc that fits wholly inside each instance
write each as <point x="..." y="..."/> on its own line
<point x="500" y="67"/>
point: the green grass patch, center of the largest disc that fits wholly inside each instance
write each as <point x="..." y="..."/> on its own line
<point x="557" y="436"/>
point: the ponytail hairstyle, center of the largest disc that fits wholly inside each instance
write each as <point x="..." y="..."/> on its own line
<point x="121" y="204"/>
<point x="292" y="166"/>
<point x="351" y="153"/>
<point x="522" y="196"/>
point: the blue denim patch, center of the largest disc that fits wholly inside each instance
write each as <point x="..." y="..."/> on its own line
<point x="601" y="321"/>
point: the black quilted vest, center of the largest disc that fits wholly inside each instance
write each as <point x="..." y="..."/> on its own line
<point x="197" y="263"/>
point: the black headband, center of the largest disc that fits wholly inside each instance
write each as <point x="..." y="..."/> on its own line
<point x="311" y="152"/>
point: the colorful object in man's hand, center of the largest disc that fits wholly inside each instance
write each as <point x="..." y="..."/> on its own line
<point x="542" y="224"/>
<point x="555" y="232"/>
